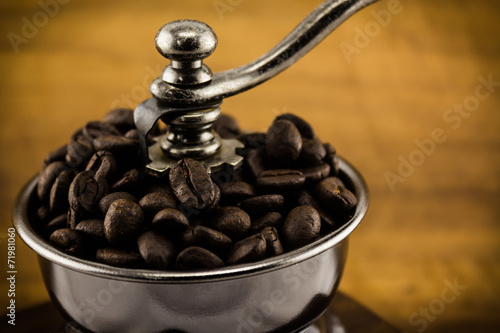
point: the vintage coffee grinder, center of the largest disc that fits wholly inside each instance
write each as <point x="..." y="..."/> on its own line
<point x="187" y="97"/>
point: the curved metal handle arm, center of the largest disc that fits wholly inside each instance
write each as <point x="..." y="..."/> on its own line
<point x="312" y="30"/>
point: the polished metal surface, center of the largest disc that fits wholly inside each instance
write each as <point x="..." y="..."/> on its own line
<point x="186" y="43"/>
<point x="280" y="294"/>
<point x="312" y="30"/>
<point x="187" y="85"/>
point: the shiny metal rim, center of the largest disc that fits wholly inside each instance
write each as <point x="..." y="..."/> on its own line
<point x="43" y="248"/>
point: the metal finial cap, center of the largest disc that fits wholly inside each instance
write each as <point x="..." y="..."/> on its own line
<point x="186" y="40"/>
<point x="186" y="43"/>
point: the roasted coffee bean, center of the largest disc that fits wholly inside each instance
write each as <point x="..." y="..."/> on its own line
<point x="313" y="152"/>
<point x="56" y="155"/>
<point x="227" y="127"/>
<point x="58" y="198"/>
<point x="207" y="238"/>
<point x="43" y="214"/>
<point x="133" y="134"/>
<point x="280" y="180"/>
<point x="271" y="219"/>
<point x="302" y="225"/>
<point x="273" y="244"/>
<point x="157" y="251"/>
<point x="85" y="192"/>
<point x="251" y="141"/>
<point x="58" y="222"/>
<point x="118" y="258"/>
<point x="153" y="202"/>
<point x="47" y="178"/>
<point x="283" y="143"/>
<point x="250" y="249"/>
<point x="234" y="192"/>
<point x="115" y="143"/>
<point x="171" y="221"/>
<point x="107" y="200"/>
<point x="79" y="151"/>
<point x="127" y="181"/>
<point x="262" y="204"/>
<point x="332" y="159"/>
<point x="305" y="129"/>
<point x="68" y="240"/>
<point x="192" y="185"/>
<point x="95" y="129"/>
<point x="195" y="258"/>
<point x="232" y="221"/>
<point x="93" y="231"/>
<point x="103" y="163"/>
<point x="314" y="174"/>
<point x="121" y="118"/>
<point x="123" y="222"/>
<point x="327" y="221"/>
<point x="254" y="163"/>
<point x="332" y="194"/>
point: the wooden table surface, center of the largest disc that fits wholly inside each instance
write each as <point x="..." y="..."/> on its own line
<point x="408" y="91"/>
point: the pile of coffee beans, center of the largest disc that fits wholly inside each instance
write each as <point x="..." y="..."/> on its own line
<point x="95" y="200"/>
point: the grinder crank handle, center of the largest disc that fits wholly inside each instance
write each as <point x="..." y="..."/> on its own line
<point x="311" y="31"/>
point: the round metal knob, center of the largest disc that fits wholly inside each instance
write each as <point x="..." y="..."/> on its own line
<point x="186" y="43"/>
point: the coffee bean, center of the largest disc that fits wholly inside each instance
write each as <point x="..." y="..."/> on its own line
<point x="271" y="219"/>
<point x="283" y="143"/>
<point x="302" y="225"/>
<point x="127" y="181"/>
<point x="93" y="231"/>
<point x="67" y="240"/>
<point x="107" y="200"/>
<point x="327" y="221"/>
<point x="43" y="214"/>
<point x="332" y="159"/>
<point x="121" y="118"/>
<point x="85" y="192"/>
<point x="332" y="194"/>
<point x="273" y="244"/>
<point x="314" y="174"/>
<point x="95" y="129"/>
<point x="115" y="143"/>
<point x="251" y="141"/>
<point x="58" y="222"/>
<point x="234" y="192"/>
<point x="250" y="249"/>
<point x="56" y="155"/>
<point x="280" y="180"/>
<point x="118" y="258"/>
<point x="157" y="251"/>
<point x="58" y="198"/>
<point x="254" y="163"/>
<point x="232" y="221"/>
<point x="79" y="151"/>
<point x="305" y="129"/>
<point x="192" y="185"/>
<point x="123" y="222"/>
<point x="195" y="258"/>
<point x="262" y="204"/>
<point x="47" y="178"/>
<point x="103" y="163"/>
<point x="207" y="238"/>
<point x="227" y="127"/>
<point x="170" y="220"/>
<point x="133" y="134"/>
<point x="313" y="152"/>
<point x="153" y="202"/>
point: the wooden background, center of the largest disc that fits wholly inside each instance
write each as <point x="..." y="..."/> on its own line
<point x="440" y="224"/>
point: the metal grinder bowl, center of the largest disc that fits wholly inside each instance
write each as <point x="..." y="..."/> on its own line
<point x="286" y="293"/>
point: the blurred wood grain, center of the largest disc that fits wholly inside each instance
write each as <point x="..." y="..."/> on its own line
<point x="407" y="74"/>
